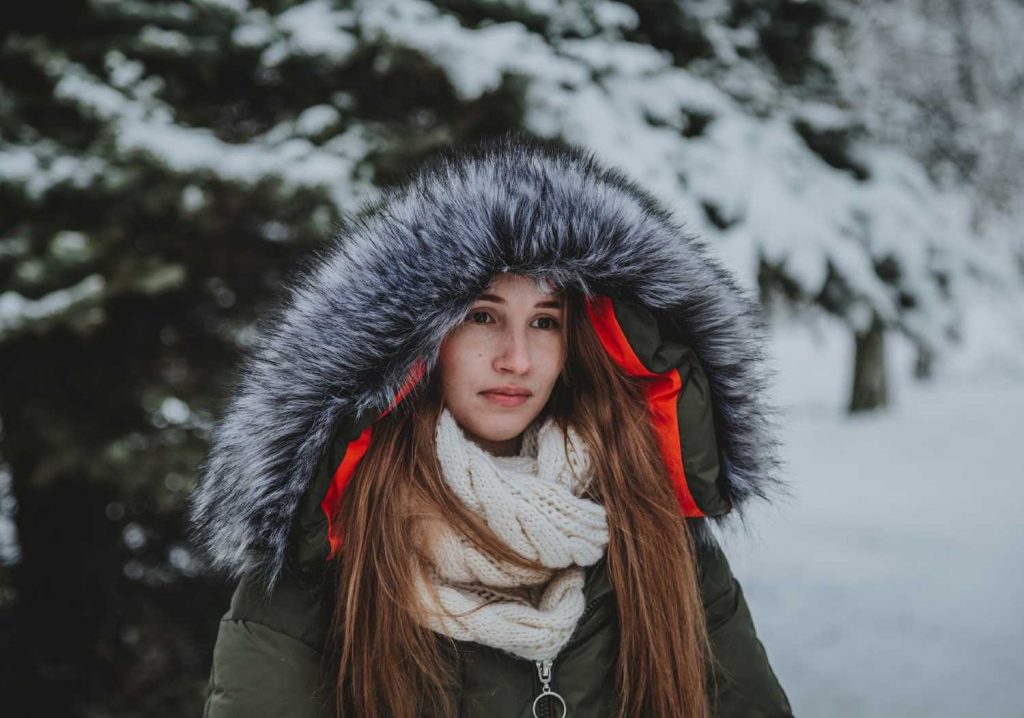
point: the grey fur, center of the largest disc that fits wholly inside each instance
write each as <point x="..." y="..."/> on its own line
<point x="389" y="287"/>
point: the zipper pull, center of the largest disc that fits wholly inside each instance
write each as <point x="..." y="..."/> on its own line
<point x="544" y="671"/>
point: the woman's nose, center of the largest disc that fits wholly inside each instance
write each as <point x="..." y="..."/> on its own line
<point x="514" y="354"/>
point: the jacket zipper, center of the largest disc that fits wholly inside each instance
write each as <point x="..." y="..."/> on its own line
<point x="544" y="671"/>
<point x="541" y="707"/>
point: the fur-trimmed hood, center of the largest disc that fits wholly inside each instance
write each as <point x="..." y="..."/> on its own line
<point x="377" y="301"/>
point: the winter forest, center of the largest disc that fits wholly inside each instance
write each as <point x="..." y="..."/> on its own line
<point x="166" y="164"/>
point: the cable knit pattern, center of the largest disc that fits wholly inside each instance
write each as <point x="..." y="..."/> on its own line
<point x="533" y="502"/>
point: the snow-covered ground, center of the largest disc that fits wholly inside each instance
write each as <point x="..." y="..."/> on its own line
<point x="892" y="583"/>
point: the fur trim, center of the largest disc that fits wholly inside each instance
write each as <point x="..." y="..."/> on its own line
<point x="388" y="288"/>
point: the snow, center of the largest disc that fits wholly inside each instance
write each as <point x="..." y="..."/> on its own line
<point x="890" y="584"/>
<point x="148" y="127"/>
<point x="255" y="30"/>
<point x="70" y="247"/>
<point x="232" y="5"/>
<point x="193" y="198"/>
<point x="616" y="15"/>
<point x="159" y="12"/>
<point x="474" y="60"/>
<point x="317" y="119"/>
<point x="36" y="169"/>
<point x="17" y="312"/>
<point x="315" y="28"/>
<point x="17" y="246"/>
<point x="157" y="38"/>
<point x="124" y="73"/>
<point x="174" y="410"/>
<point x="10" y="551"/>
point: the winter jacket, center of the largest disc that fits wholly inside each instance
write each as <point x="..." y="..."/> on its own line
<point x="363" y="323"/>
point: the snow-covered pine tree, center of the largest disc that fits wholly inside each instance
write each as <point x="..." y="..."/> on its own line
<point x="163" y="166"/>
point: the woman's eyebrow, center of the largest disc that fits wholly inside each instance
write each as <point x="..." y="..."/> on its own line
<point x="547" y="303"/>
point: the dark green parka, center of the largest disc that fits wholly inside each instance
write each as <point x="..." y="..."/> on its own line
<point x="362" y="325"/>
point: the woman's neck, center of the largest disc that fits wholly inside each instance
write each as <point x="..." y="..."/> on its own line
<point x="507" y="447"/>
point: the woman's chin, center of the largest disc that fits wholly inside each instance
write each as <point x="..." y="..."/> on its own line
<point x="497" y="423"/>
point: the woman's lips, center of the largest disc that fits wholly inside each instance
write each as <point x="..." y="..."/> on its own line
<point x="504" y="399"/>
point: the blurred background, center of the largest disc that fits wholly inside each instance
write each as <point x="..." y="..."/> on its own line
<point x="858" y="165"/>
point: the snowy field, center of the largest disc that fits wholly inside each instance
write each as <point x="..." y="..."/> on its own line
<point x="891" y="584"/>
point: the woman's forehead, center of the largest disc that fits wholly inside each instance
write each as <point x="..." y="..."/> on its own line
<point x="541" y="284"/>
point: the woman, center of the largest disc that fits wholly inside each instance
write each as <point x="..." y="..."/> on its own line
<point x="469" y="465"/>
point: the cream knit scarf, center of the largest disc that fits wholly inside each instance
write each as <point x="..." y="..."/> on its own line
<point x="533" y="502"/>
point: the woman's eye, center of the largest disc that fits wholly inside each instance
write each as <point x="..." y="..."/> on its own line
<point x="473" y="316"/>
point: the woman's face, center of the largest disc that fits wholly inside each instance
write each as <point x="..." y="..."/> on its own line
<point x="509" y="343"/>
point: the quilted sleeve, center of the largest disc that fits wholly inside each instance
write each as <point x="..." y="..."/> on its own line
<point x="745" y="686"/>
<point x="266" y="659"/>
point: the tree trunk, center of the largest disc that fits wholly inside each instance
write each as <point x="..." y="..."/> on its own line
<point x="925" y="364"/>
<point x="870" y="387"/>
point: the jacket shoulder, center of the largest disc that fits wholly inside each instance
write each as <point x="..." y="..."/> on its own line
<point x="267" y="659"/>
<point x="744" y="684"/>
<point x="259" y="672"/>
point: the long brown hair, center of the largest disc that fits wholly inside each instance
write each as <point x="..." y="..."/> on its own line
<point x="387" y="665"/>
